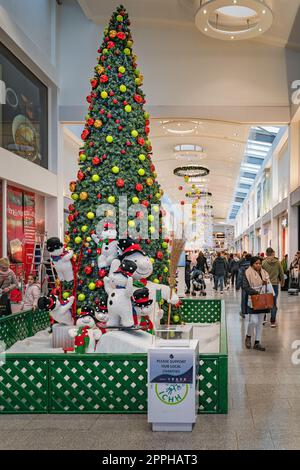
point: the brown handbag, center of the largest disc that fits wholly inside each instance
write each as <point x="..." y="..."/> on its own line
<point x="262" y="301"/>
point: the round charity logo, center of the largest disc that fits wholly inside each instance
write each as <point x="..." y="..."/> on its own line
<point x="171" y="394"/>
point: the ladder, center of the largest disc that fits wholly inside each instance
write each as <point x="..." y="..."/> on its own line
<point x="42" y="265"/>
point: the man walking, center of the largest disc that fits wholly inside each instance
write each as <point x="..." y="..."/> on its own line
<point x="219" y="271"/>
<point x="273" y="267"/>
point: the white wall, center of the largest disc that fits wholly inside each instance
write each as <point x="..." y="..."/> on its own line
<point x="182" y="68"/>
<point x="34" y="18"/>
<point x="70" y="164"/>
<point x="283" y="174"/>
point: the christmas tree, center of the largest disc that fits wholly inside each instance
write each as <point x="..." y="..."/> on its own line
<point x="114" y="162"/>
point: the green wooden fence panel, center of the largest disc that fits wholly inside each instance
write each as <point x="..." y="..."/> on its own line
<point x="201" y="311"/>
<point x="93" y="383"/>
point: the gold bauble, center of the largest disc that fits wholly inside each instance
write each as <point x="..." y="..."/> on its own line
<point x="83" y="196"/>
<point x="149" y="181"/>
<point x="98" y="123"/>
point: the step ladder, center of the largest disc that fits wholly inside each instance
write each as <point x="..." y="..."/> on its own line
<point x="41" y="264"/>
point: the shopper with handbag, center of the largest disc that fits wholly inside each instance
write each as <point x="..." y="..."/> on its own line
<point x="8" y="282"/>
<point x="257" y="285"/>
<point x="273" y="267"/>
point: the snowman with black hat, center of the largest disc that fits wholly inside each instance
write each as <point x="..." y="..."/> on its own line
<point x="143" y="308"/>
<point x="107" y="245"/>
<point x="59" y="311"/>
<point x="85" y="334"/>
<point x="130" y="250"/>
<point x="61" y="258"/>
<point x="119" y="287"/>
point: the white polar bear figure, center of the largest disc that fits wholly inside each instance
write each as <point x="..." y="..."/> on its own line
<point x="108" y="244"/>
<point x="61" y="259"/>
<point x="132" y="251"/>
<point x="85" y="334"/>
<point x="60" y="312"/>
<point x="119" y="287"/>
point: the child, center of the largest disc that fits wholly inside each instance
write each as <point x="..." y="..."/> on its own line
<point x="31" y="294"/>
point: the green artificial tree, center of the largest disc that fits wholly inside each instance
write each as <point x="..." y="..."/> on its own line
<point x="115" y="161"/>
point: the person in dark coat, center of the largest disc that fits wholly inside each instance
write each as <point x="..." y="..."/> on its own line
<point x="233" y="265"/>
<point x="219" y="271"/>
<point x="201" y="263"/>
<point x="187" y="275"/>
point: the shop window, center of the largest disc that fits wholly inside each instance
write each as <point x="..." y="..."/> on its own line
<point x="23" y="110"/>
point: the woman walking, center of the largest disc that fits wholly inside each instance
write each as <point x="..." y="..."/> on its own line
<point x="256" y="281"/>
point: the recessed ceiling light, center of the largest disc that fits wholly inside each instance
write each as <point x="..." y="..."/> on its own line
<point x="233" y="20"/>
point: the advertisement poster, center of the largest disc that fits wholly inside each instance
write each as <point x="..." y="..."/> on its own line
<point x="29" y="229"/>
<point x="15" y="224"/>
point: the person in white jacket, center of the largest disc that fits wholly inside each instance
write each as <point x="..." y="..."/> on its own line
<point x="31" y="294"/>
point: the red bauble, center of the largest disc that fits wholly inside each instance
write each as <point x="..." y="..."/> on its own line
<point x="125" y="102"/>
<point x="88" y="270"/>
<point x="139" y="215"/>
<point x="182" y="203"/>
<point x="159" y="255"/>
<point x="71" y="217"/>
<point x="75" y="230"/>
<point x="99" y="284"/>
<point x="89" y="251"/>
<point x="137" y="98"/>
<point x="120" y="75"/>
<point x="123" y="152"/>
<point x="111" y="93"/>
<point x="139" y="187"/>
<point x="141" y="141"/>
<point x="115" y="101"/>
<point x="85" y="134"/>
<point x="89" y="98"/>
<point x="180" y="188"/>
<point x="121" y="35"/>
<point x="90" y="121"/>
<point x="120" y="128"/>
<point x="96" y="160"/>
<point x="109" y="115"/>
<point x="120" y="183"/>
<point x="167" y="240"/>
<point x="98" y="251"/>
<point x="99" y="196"/>
<point x="94" y="83"/>
<point x="128" y="143"/>
<point x="152" y="168"/>
<point x="147" y="130"/>
<point x="117" y="121"/>
<point x="91" y="107"/>
<point x="71" y="208"/>
<point x="103" y="58"/>
<point x="145" y="203"/>
<point x="91" y="144"/>
<point x="110" y="45"/>
<point x="104" y="157"/>
<point x="148" y="241"/>
<point x="80" y="175"/>
<point x="94" y="95"/>
<point x="109" y="67"/>
<point x="147" y="122"/>
<point x="104" y="78"/>
<point x="102" y="111"/>
<point x="102" y="273"/>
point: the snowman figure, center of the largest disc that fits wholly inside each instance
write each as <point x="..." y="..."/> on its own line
<point x="107" y="245"/>
<point x="143" y="308"/>
<point x="101" y="313"/>
<point x="61" y="259"/>
<point x="132" y="251"/>
<point x="119" y="287"/>
<point x="59" y="311"/>
<point x="85" y="333"/>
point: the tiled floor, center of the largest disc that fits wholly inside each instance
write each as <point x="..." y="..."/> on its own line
<point x="264" y="404"/>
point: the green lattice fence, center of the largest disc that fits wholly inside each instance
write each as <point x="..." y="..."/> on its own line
<point x="24" y="385"/>
<point x="201" y="311"/>
<point x="19" y="326"/>
<point x="107" y="383"/>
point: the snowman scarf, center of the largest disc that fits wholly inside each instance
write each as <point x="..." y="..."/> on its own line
<point x="82" y="340"/>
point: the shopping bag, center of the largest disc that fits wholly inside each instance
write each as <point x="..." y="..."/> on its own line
<point x="263" y="301"/>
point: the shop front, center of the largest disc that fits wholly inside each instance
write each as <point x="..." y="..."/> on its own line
<point x="283" y="234"/>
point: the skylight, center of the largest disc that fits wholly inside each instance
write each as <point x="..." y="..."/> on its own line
<point x="259" y="145"/>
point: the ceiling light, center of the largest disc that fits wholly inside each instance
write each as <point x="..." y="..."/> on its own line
<point x="186" y="127"/>
<point x="232" y="19"/>
<point x="191" y="170"/>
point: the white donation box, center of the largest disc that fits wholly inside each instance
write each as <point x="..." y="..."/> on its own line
<point x="172" y="385"/>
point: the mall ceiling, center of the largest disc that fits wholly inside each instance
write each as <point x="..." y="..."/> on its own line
<point x="285" y="31"/>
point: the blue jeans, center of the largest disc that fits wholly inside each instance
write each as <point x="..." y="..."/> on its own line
<point x="274" y="309"/>
<point x="219" y="279"/>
